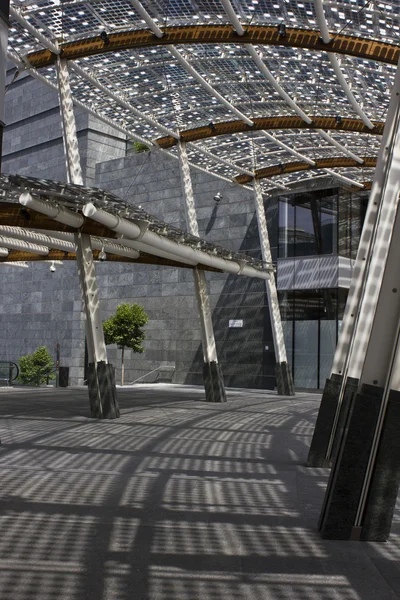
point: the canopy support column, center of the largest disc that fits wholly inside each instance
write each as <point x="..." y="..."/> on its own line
<point x="365" y="477"/>
<point x="213" y="378"/>
<point x="284" y="379"/>
<point x="101" y="378"/>
<point x="342" y="385"/>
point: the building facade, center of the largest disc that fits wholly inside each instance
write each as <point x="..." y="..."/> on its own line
<point x="313" y="236"/>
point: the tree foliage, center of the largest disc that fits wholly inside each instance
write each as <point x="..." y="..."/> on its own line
<point x="125" y="327"/>
<point x="36" y="368"/>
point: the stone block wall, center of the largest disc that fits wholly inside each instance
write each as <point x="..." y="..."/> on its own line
<point x="152" y="180"/>
<point x="39" y="307"/>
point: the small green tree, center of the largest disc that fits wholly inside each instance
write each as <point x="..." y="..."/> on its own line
<point x="36" y="368"/>
<point x="125" y="329"/>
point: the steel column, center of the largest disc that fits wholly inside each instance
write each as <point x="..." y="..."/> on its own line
<point x="361" y="302"/>
<point x="284" y="379"/>
<point x="4" y="14"/>
<point x="213" y="378"/>
<point x="101" y="379"/>
<point x="362" y="490"/>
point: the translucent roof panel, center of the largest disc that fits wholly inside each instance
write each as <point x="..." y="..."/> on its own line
<point x="150" y="89"/>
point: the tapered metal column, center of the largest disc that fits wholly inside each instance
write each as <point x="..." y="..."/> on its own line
<point x="4" y="14"/>
<point x="363" y="486"/>
<point x="354" y="334"/>
<point x="101" y="379"/>
<point x="284" y="379"/>
<point x="213" y="378"/>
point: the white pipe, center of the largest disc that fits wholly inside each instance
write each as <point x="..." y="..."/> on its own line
<point x="288" y="148"/>
<point x="94" y="81"/>
<point x="340" y="77"/>
<point x="58" y="213"/>
<point x="157" y="252"/>
<point x="232" y="16"/>
<point x="23" y="246"/>
<point x="3" y="252"/>
<point x="146" y="17"/>
<point x="130" y="134"/>
<point x="37" y="238"/>
<point x="339" y="146"/>
<point x="272" y="81"/>
<point x="65" y="241"/>
<point x="132" y="231"/>
<point x="16" y="263"/>
<point x="188" y="67"/>
<point x="223" y="161"/>
<point x="345" y="179"/>
<point x="16" y="15"/>
<point x="323" y="27"/>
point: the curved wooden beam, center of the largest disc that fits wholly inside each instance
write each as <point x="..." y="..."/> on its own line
<point x="260" y="123"/>
<point x="293" y="167"/>
<point x="221" y="34"/>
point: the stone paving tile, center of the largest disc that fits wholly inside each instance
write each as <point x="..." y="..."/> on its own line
<point x="176" y="500"/>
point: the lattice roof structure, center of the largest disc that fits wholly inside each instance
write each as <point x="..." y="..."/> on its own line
<point x="252" y="86"/>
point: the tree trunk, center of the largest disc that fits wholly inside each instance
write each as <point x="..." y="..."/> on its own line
<point x="122" y="366"/>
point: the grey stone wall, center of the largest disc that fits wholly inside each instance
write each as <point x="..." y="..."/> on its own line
<point x="38" y="307"/>
<point x="152" y="180"/>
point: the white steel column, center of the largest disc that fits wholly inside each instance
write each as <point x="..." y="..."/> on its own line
<point x="215" y="390"/>
<point x="364" y="290"/>
<point x="284" y="379"/>
<point x="102" y="396"/>
<point x="364" y="483"/>
<point x="3" y="61"/>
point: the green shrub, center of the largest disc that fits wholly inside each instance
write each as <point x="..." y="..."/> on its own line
<point x="36" y="368"/>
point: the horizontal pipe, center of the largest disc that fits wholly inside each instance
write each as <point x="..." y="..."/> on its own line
<point x="155" y="251"/>
<point x="3" y="252"/>
<point x="23" y="246"/>
<point x="58" y="213"/>
<point x="97" y="244"/>
<point x="20" y="233"/>
<point x="132" y="231"/>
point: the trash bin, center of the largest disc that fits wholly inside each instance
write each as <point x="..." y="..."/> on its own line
<point x="63" y="376"/>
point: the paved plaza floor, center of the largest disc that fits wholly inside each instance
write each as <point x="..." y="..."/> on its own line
<point x="176" y="500"/>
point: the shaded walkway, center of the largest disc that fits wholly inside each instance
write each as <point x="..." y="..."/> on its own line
<point x="176" y="500"/>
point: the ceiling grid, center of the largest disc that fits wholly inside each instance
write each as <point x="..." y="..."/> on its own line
<point x="228" y="60"/>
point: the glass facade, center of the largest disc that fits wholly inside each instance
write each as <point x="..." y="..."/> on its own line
<point x="321" y="222"/>
<point x="325" y="222"/>
<point x="311" y="325"/>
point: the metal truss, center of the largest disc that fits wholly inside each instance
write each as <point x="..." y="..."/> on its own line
<point x="359" y="47"/>
<point x="262" y="123"/>
<point x="293" y="167"/>
<point x="115" y="40"/>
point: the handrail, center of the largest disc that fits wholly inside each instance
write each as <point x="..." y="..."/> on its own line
<point x="11" y="365"/>
<point x="170" y="367"/>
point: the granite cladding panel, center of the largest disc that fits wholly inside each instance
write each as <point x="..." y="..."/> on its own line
<point x="152" y="181"/>
<point x="37" y="307"/>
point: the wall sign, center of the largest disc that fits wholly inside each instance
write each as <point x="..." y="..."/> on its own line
<point x="235" y="322"/>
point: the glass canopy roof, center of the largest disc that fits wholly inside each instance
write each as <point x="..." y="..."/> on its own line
<point x="158" y="89"/>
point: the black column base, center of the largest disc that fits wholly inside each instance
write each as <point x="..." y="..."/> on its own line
<point x="349" y="393"/>
<point x="323" y="426"/>
<point x="214" y="382"/>
<point x="102" y="391"/>
<point x="382" y="494"/>
<point x="284" y="379"/>
<point x="348" y="472"/>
